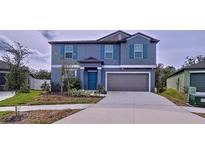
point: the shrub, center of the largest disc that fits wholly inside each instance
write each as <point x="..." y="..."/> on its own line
<point x="79" y="93"/>
<point x="101" y="89"/>
<point x="55" y="87"/>
<point x="74" y="83"/>
<point x="45" y="86"/>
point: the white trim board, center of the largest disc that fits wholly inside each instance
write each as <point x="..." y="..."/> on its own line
<point x="4" y="71"/>
<point x="112" y="66"/>
<point x="149" y="73"/>
<point x="197" y="71"/>
<point x="59" y="66"/>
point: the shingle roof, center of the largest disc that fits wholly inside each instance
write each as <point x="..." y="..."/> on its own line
<point x="119" y="31"/>
<point x="90" y="60"/>
<point x="100" y="41"/>
<point x="84" y="42"/>
<point x="4" y="66"/>
<point x="198" y="66"/>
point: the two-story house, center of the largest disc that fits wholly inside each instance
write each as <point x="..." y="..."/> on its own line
<point x="118" y="61"/>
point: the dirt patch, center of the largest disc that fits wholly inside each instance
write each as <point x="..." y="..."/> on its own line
<point x="63" y="99"/>
<point x="200" y="114"/>
<point x="37" y="117"/>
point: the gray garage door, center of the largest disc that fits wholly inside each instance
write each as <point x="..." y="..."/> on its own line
<point x="127" y="82"/>
<point x="198" y="80"/>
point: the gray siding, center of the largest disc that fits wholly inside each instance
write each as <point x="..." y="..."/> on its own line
<point x="84" y="51"/>
<point x="151" y="52"/>
<point x="56" y="74"/>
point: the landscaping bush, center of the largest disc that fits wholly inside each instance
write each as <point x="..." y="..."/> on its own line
<point x="55" y="87"/>
<point x="101" y="89"/>
<point x="74" y="83"/>
<point x="45" y="86"/>
<point x="79" y="93"/>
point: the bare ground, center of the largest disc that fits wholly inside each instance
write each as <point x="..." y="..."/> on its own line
<point x="36" y="117"/>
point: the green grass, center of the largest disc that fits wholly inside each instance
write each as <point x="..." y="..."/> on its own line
<point x="174" y="96"/>
<point x="5" y="113"/>
<point x="21" y="98"/>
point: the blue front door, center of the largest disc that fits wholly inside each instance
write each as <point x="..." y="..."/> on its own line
<point x="92" y="80"/>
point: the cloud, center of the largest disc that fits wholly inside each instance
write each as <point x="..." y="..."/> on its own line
<point x="4" y="39"/>
<point x="49" y="34"/>
<point x="37" y="58"/>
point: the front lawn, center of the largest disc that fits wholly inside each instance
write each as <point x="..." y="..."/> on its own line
<point x="35" y="117"/>
<point x="176" y="97"/>
<point x="21" y="98"/>
<point x="41" y="98"/>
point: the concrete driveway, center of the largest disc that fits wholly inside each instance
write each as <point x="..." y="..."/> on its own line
<point x="6" y="94"/>
<point x="133" y="108"/>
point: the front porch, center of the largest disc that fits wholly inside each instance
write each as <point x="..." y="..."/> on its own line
<point x="90" y="73"/>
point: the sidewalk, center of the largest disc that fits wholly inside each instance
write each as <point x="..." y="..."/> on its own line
<point x="6" y="94"/>
<point x="194" y="109"/>
<point x="46" y="107"/>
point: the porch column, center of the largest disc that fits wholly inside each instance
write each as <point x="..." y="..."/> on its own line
<point x="82" y="77"/>
<point x="99" y="76"/>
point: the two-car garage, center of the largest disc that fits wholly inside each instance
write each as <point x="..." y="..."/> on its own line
<point x="128" y="81"/>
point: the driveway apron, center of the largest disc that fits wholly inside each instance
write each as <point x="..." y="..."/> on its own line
<point x="133" y="108"/>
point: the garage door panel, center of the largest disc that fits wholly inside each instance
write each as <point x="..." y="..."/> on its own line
<point x="198" y="80"/>
<point x="127" y="82"/>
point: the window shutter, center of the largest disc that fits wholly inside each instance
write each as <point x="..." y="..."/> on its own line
<point x="145" y="51"/>
<point x="62" y="51"/>
<point x="115" y="48"/>
<point x="131" y="51"/>
<point x="102" y="51"/>
<point x="75" y="52"/>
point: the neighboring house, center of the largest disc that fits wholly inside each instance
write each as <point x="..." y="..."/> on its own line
<point x="191" y="76"/>
<point x="118" y="61"/>
<point x="4" y="69"/>
<point x="34" y="84"/>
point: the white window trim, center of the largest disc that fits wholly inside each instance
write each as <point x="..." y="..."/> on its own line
<point x="68" y="51"/>
<point x="107" y="51"/>
<point x="149" y="73"/>
<point x="135" y="51"/>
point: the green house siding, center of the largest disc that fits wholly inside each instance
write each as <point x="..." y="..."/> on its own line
<point x="180" y="80"/>
<point x="177" y="81"/>
<point x="187" y="78"/>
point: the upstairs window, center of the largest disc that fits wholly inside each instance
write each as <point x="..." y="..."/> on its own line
<point x="69" y="51"/>
<point x="138" y="51"/>
<point x="108" y="51"/>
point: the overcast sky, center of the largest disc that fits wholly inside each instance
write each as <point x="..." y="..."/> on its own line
<point x="172" y="49"/>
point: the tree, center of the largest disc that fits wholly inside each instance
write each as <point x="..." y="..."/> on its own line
<point x="162" y="73"/>
<point x="15" y="56"/>
<point x="190" y="60"/>
<point x="41" y="74"/>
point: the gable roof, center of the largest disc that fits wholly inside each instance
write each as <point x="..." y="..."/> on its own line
<point x="146" y="36"/>
<point x="4" y="65"/>
<point x="91" y="60"/>
<point x="126" y="35"/>
<point x="198" y="66"/>
<point x="106" y="39"/>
